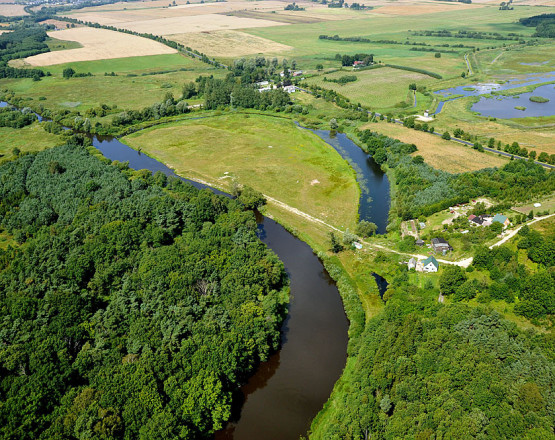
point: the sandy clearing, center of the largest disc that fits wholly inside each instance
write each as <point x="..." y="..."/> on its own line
<point x="199" y="23"/>
<point x="228" y="43"/>
<point x="12" y="10"/>
<point x="98" y="44"/>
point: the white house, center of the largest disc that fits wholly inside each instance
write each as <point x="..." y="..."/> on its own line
<point x="430" y="264"/>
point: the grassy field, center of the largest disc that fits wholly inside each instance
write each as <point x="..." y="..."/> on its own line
<point x="439" y="153"/>
<point x="270" y="154"/>
<point x="309" y="50"/>
<point x="380" y="89"/>
<point x="144" y="87"/>
<point x="505" y="62"/>
<point x="31" y="138"/>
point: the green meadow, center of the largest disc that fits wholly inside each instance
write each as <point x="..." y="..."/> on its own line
<point x="26" y="139"/>
<point x="270" y="154"/>
<point x="140" y="81"/>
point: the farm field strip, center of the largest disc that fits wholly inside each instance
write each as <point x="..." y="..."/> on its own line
<point x="228" y="43"/>
<point x="98" y="44"/>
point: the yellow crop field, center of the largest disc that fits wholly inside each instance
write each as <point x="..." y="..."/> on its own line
<point x="98" y="44"/>
<point x="11" y="10"/>
<point x="228" y="43"/>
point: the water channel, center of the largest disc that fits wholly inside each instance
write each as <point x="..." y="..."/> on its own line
<point x="286" y="392"/>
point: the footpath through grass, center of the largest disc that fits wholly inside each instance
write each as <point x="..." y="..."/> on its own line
<point x="270" y="154"/>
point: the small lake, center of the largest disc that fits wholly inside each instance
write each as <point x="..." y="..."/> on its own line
<point x="503" y="106"/>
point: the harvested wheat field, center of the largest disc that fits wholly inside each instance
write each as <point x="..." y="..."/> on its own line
<point x="228" y="43"/>
<point x="179" y="25"/>
<point x="12" y="10"/>
<point x="116" y="14"/>
<point x="439" y="153"/>
<point x="98" y="44"/>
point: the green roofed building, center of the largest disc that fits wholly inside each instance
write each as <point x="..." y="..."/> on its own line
<point x="430" y="264"/>
<point x="500" y="218"/>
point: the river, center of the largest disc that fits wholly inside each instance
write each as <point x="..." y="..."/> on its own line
<point x="286" y="392"/>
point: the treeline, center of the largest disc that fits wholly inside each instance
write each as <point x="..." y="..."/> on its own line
<point x="137" y="306"/>
<point x="423" y="190"/>
<point x="348" y="60"/>
<point x="169" y="106"/>
<point x="425" y="370"/>
<point x="415" y="69"/>
<point x="474" y="35"/>
<point x="544" y="23"/>
<point x="21" y="43"/>
<point x="342" y="80"/>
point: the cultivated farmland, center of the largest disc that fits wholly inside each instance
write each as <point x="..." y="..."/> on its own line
<point x="12" y="9"/>
<point x="98" y="44"/>
<point x="228" y="43"/>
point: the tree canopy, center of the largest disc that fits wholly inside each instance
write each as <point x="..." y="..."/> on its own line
<point x="133" y="306"/>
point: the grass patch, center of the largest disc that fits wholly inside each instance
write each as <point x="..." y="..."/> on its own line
<point x="270" y="154"/>
<point x="539" y="99"/>
<point x="520" y="107"/>
<point x="55" y="44"/>
<point x="30" y="138"/>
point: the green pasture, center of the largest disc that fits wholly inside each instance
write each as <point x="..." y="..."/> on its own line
<point x="380" y="89"/>
<point x="137" y="84"/>
<point x="30" y="138"/>
<point x="309" y="50"/>
<point x="270" y="154"/>
<point x="538" y="59"/>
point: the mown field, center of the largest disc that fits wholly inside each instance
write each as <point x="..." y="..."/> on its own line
<point x="270" y="154"/>
<point x="140" y="81"/>
<point x="439" y="153"/>
<point x="97" y="44"/>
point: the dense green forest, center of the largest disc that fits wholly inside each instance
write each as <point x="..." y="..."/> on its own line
<point x="427" y="371"/>
<point x="132" y="306"/>
<point x="21" y="43"/>
<point x="424" y="190"/>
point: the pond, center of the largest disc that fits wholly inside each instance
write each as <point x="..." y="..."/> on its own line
<point x="503" y="106"/>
